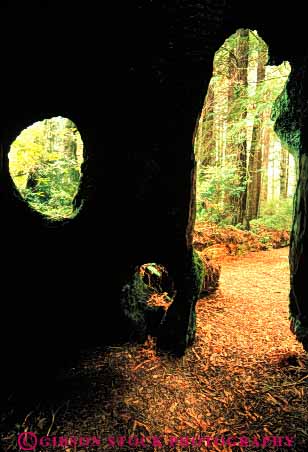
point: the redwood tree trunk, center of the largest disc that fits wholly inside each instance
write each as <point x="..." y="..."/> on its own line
<point x="255" y="155"/>
<point x="265" y="155"/>
<point x="284" y="172"/>
<point x="242" y="54"/>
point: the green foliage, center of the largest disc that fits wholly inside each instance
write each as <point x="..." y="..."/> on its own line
<point x="235" y="125"/>
<point x="285" y="115"/>
<point x="276" y="214"/>
<point x="217" y="185"/>
<point x="153" y="269"/>
<point x="45" y="166"/>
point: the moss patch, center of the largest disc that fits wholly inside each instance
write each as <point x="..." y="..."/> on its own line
<point x="287" y="124"/>
<point x="178" y="329"/>
<point x="139" y="318"/>
<point x="300" y="331"/>
<point x="198" y="273"/>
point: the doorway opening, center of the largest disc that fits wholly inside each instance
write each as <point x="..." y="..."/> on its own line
<point x="45" y="165"/>
<point x="246" y="178"/>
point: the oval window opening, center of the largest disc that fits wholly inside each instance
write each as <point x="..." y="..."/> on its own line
<point x="45" y="165"/>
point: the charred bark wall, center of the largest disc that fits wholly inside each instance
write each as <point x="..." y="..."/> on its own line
<point x="291" y="126"/>
<point x="135" y="86"/>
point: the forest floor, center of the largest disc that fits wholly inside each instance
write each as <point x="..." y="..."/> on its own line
<point x="217" y="241"/>
<point x="246" y="375"/>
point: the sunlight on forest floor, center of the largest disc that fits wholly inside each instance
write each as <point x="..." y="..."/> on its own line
<point x="246" y="375"/>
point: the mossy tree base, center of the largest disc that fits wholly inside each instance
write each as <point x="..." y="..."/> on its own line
<point x="138" y="318"/>
<point x="300" y="330"/>
<point x="178" y="329"/>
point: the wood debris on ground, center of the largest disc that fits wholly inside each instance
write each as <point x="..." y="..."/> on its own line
<point x="246" y="375"/>
<point x="217" y="241"/>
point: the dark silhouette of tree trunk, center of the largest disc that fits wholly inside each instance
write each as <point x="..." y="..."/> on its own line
<point x="32" y="181"/>
<point x="34" y="185"/>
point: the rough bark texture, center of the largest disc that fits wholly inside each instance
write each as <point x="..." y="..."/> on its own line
<point x="242" y="55"/>
<point x="255" y="156"/>
<point x="207" y="136"/>
<point x="265" y="155"/>
<point x="284" y="172"/>
<point x="135" y="96"/>
<point x="290" y="113"/>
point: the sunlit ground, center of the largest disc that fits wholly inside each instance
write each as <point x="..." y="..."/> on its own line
<point x="246" y="375"/>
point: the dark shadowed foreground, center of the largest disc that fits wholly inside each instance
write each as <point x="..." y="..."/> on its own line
<point x="246" y="375"/>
